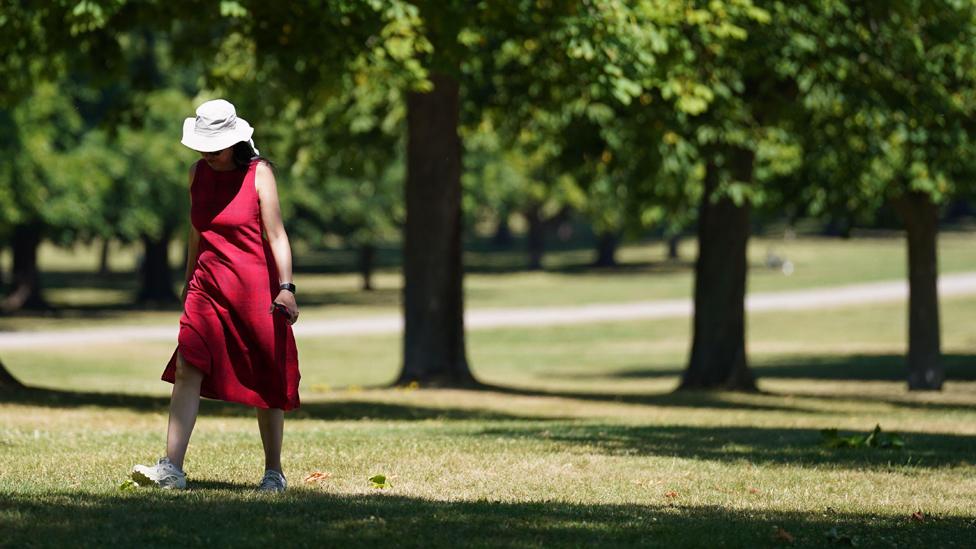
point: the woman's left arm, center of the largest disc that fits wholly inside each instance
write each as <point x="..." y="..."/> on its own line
<point x="267" y="187"/>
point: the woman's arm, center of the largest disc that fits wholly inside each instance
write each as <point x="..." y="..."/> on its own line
<point x="192" y="246"/>
<point x="267" y="187"/>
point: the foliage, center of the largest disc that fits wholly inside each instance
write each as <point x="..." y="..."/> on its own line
<point x="874" y="439"/>
<point x="40" y="183"/>
<point x="887" y="96"/>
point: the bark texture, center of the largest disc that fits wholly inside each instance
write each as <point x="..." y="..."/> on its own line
<point x="921" y="218"/>
<point x="718" y="351"/>
<point x="433" y="345"/>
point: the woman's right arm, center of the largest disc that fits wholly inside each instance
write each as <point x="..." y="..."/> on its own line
<point x="192" y="243"/>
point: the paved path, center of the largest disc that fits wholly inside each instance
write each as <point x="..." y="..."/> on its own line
<point x="820" y="298"/>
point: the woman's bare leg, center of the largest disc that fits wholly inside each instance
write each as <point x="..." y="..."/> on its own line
<point x="183" y="409"/>
<point x="271" y="422"/>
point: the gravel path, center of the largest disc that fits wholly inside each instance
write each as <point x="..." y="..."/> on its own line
<point x="958" y="284"/>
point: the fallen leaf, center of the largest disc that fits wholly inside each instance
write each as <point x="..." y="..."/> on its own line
<point x="379" y="481"/>
<point x="753" y="490"/>
<point x="318" y="476"/>
<point x="918" y="516"/>
<point x="671" y="494"/>
<point x="779" y="534"/>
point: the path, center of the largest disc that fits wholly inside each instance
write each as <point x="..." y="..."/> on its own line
<point x="959" y="284"/>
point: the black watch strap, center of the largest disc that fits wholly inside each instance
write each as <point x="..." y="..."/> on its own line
<point x="288" y="286"/>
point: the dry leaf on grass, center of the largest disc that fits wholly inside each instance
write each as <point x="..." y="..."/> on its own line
<point x="918" y="516"/>
<point x="318" y="476"/>
<point x="753" y="490"/>
<point x="671" y="494"/>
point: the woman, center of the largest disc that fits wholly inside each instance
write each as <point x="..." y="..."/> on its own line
<point x="235" y="341"/>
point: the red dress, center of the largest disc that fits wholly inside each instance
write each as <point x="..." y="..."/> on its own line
<point x="247" y="354"/>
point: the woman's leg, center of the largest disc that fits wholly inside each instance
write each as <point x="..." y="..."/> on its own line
<point x="271" y="422"/>
<point x="183" y="410"/>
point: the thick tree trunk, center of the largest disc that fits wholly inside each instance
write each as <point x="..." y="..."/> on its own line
<point x="718" y="351"/>
<point x="606" y="250"/>
<point x="103" y="256"/>
<point x="921" y="217"/>
<point x="433" y="344"/>
<point x="536" y="236"/>
<point x="673" y="242"/>
<point x="157" y="279"/>
<point x="7" y="380"/>
<point x="367" y="259"/>
<point x="26" y="286"/>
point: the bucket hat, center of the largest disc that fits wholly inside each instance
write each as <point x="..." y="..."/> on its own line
<point x="216" y="127"/>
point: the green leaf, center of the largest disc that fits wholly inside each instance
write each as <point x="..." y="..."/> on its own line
<point x="128" y="485"/>
<point x="379" y="481"/>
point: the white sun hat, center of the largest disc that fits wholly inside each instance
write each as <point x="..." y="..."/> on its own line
<point x="216" y="127"/>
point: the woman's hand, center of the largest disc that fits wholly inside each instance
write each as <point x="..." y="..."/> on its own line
<point x="287" y="300"/>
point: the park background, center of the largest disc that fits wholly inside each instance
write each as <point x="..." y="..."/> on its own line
<point x="691" y="238"/>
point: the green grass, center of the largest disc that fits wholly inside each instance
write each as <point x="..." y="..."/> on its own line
<point x="329" y="290"/>
<point x="582" y="443"/>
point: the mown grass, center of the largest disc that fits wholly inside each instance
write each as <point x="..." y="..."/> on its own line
<point x="581" y="442"/>
<point x="330" y="288"/>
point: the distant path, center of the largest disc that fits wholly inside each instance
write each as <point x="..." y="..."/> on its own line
<point x="958" y="284"/>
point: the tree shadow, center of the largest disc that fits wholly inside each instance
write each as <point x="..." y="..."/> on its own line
<point x="756" y="445"/>
<point x="311" y="518"/>
<point x="676" y="399"/>
<point x="886" y="367"/>
<point x="332" y="410"/>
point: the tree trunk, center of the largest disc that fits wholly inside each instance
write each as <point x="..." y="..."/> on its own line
<point x="26" y="285"/>
<point x="157" y="278"/>
<point x="433" y="344"/>
<point x="673" y="242"/>
<point x="103" y="256"/>
<point x="7" y="380"/>
<point x="503" y="239"/>
<point x="606" y="250"/>
<point x="921" y="217"/>
<point x="367" y="258"/>
<point x="718" y="351"/>
<point x="536" y="236"/>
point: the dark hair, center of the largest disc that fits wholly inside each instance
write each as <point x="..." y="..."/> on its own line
<point x="243" y="155"/>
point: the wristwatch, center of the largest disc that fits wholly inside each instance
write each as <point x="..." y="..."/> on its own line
<point x="288" y="286"/>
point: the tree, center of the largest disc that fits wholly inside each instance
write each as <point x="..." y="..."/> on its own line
<point x="888" y="94"/>
<point x="44" y="198"/>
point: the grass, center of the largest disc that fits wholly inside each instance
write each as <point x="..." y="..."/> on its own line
<point x="581" y="443"/>
<point x="329" y="288"/>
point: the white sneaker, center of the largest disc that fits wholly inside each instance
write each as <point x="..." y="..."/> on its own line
<point x="273" y="481"/>
<point x="164" y="474"/>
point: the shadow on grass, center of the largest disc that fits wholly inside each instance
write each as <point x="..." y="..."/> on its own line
<point x="679" y="399"/>
<point x="961" y="367"/>
<point x="753" y="445"/>
<point x="336" y="410"/>
<point x="305" y="518"/>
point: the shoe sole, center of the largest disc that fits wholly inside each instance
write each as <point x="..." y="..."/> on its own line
<point x="142" y="479"/>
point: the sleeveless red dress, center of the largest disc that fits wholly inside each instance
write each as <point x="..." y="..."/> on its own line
<point x="247" y="354"/>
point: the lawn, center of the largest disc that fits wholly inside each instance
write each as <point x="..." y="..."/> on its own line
<point x="330" y="288"/>
<point x="581" y="442"/>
